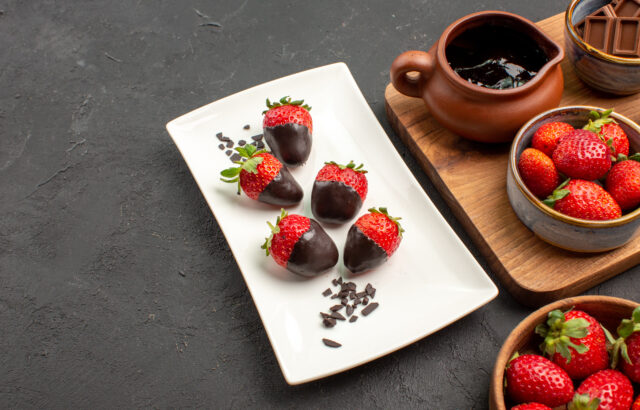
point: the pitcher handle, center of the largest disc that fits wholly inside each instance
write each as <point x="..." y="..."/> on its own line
<point x="413" y="60"/>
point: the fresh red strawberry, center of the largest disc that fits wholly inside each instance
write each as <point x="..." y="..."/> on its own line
<point x="547" y="136"/>
<point x="574" y="341"/>
<point x="538" y="172"/>
<point x="338" y="192"/>
<point x="531" y="406"/>
<point x="623" y="183"/>
<point x="533" y="378"/>
<point x="628" y="346"/>
<point x="636" y="404"/>
<point x="288" y="128"/>
<point x="371" y="240"/>
<point x="580" y="154"/>
<point x="604" y="390"/>
<point x="300" y="245"/>
<point x="584" y="199"/>
<point x="609" y="131"/>
<point x="262" y="177"/>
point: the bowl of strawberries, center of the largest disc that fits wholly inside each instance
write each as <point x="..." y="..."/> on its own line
<point x="574" y="178"/>
<point x="576" y="353"/>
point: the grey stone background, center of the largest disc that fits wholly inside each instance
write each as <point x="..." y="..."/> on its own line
<point x="99" y="213"/>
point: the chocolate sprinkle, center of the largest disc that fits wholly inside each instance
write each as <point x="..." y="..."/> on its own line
<point x="329" y="322"/>
<point x="246" y="127"/>
<point x="242" y="143"/>
<point x="327" y="292"/>
<point x="330" y="343"/>
<point x="370" y="308"/>
<point x="349" y="310"/>
<point x="228" y="152"/>
<point x="338" y="316"/>
<point x="221" y="146"/>
<point x="353" y="319"/>
<point x="335" y="308"/>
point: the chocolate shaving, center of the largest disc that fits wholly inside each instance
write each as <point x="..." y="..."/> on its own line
<point x="370" y="308"/>
<point x="368" y="288"/>
<point x="242" y="143"/>
<point x="356" y="302"/>
<point x="372" y="294"/>
<point x="340" y="280"/>
<point x="221" y="146"/>
<point x="331" y="343"/>
<point x="257" y="137"/>
<point x="349" y="310"/>
<point x="351" y="286"/>
<point x="344" y="301"/>
<point x="229" y="144"/>
<point x="329" y="322"/>
<point x="361" y="294"/>
<point x="338" y="316"/>
<point x="335" y="308"/>
<point x="336" y="296"/>
<point x="334" y="282"/>
<point x="353" y="318"/>
<point x="235" y="157"/>
<point x="327" y="292"/>
<point x="228" y="152"/>
<point x="246" y="127"/>
<point x="365" y="301"/>
<point x="324" y="315"/>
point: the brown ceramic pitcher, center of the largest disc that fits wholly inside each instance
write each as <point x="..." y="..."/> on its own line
<point x="472" y="111"/>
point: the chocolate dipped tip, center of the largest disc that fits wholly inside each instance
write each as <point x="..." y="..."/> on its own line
<point x="290" y="143"/>
<point x="334" y="202"/>
<point x="361" y="253"/>
<point x="314" y="253"/>
<point x="283" y="190"/>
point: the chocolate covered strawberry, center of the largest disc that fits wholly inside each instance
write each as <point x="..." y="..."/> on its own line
<point x="263" y="178"/>
<point x="584" y="199"/>
<point x="574" y="341"/>
<point x="371" y="240"/>
<point x="623" y="183"/>
<point x="604" y="390"/>
<point x="581" y="154"/>
<point x="287" y="127"/>
<point x="533" y="378"/>
<point x="538" y="172"/>
<point x="626" y="350"/>
<point x="300" y="245"/>
<point x="547" y="136"/>
<point x="531" y="406"/>
<point x="609" y="131"/>
<point x="338" y="192"/>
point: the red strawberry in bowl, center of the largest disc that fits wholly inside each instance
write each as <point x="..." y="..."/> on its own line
<point x="623" y="183"/>
<point x="585" y="200"/>
<point x="604" y="390"/>
<point x="531" y="406"/>
<point x="533" y="378"/>
<point x="288" y="127"/>
<point x="263" y="178"/>
<point x="609" y="131"/>
<point x="626" y="350"/>
<point x="300" y="245"/>
<point x="538" y="172"/>
<point x="636" y="404"/>
<point x="574" y="341"/>
<point x="371" y="240"/>
<point x="547" y="136"/>
<point x="338" y="192"/>
<point x="581" y="154"/>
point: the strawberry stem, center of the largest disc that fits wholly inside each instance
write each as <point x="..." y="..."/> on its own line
<point x="274" y="230"/>
<point x="350" y="165"/>
<point x="557" y="334"/>
<point x="286" y="100"/>
<point x="383" y="210"/>
<point x="557" y="194"/>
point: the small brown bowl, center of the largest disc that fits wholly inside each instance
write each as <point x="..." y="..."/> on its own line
<point x="563" y="231"/>
<point x="606" y="309"/>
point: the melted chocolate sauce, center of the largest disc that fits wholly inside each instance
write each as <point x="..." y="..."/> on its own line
<point x="334" y="202"/>
<point x="361" y="253"/>
<point x="314" y="253"/>
<point x="495" y="57"/>
<point x="283" y="190"/>
<point x="290" y="143"/>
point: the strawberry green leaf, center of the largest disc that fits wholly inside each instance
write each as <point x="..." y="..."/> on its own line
<point x="557" y="334"/>
<point x="383" y="210"/>
<point x="635" y="157"/>
<point x="584" y="402"/>
<point x="230" y="172"/>
<point x="274" y="230"/>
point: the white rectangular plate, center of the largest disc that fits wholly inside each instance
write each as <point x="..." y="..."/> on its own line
<point x="432" y="279"/>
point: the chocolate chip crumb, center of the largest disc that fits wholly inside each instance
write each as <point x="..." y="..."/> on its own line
<point x="353" y="318"/>
<point x="257" y="137"/>
<point x="351" y="286"/>
<point x="330" y="343"/>
<point x="335" y="308"/>
<point x="368" y="288"/>
<point x="352" y="295"/>
<point x="361" y="294"/>
<point x="370" y="308"/>
<point x="228" y="152"/>
<point x="338" y="316"/>
<point x="327" y="292"/>
<point x="329" y="322"/>
<point x="229" y="144"/>
<point x="356" y="302"/>
<point x="349" y="310"/>
<point x="242" y="143"/>
<point x="221" y="146"/>
<point x="235" y="157"/>
<point x="336" y="296"/>
<point x="260" y="145"/>
<point x="246" y="127"/>
<point x="365" y="301"/>
<point x="344" y="301"/>
<point x="372" y="294"/>
<point x="219" y="136"/>
<point x="334" y="282"/>
<point x="340" y="280"/>
<point x="324" y="315"/>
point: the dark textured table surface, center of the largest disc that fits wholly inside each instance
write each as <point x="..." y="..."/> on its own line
<point x="117" y="288"/>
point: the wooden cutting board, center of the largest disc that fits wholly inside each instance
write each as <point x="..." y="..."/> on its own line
<point x="472" y="179"/>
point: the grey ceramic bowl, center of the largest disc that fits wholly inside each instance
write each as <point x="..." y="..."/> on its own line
<point x="599" y="70"/>
<point x="560" y="230"/>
